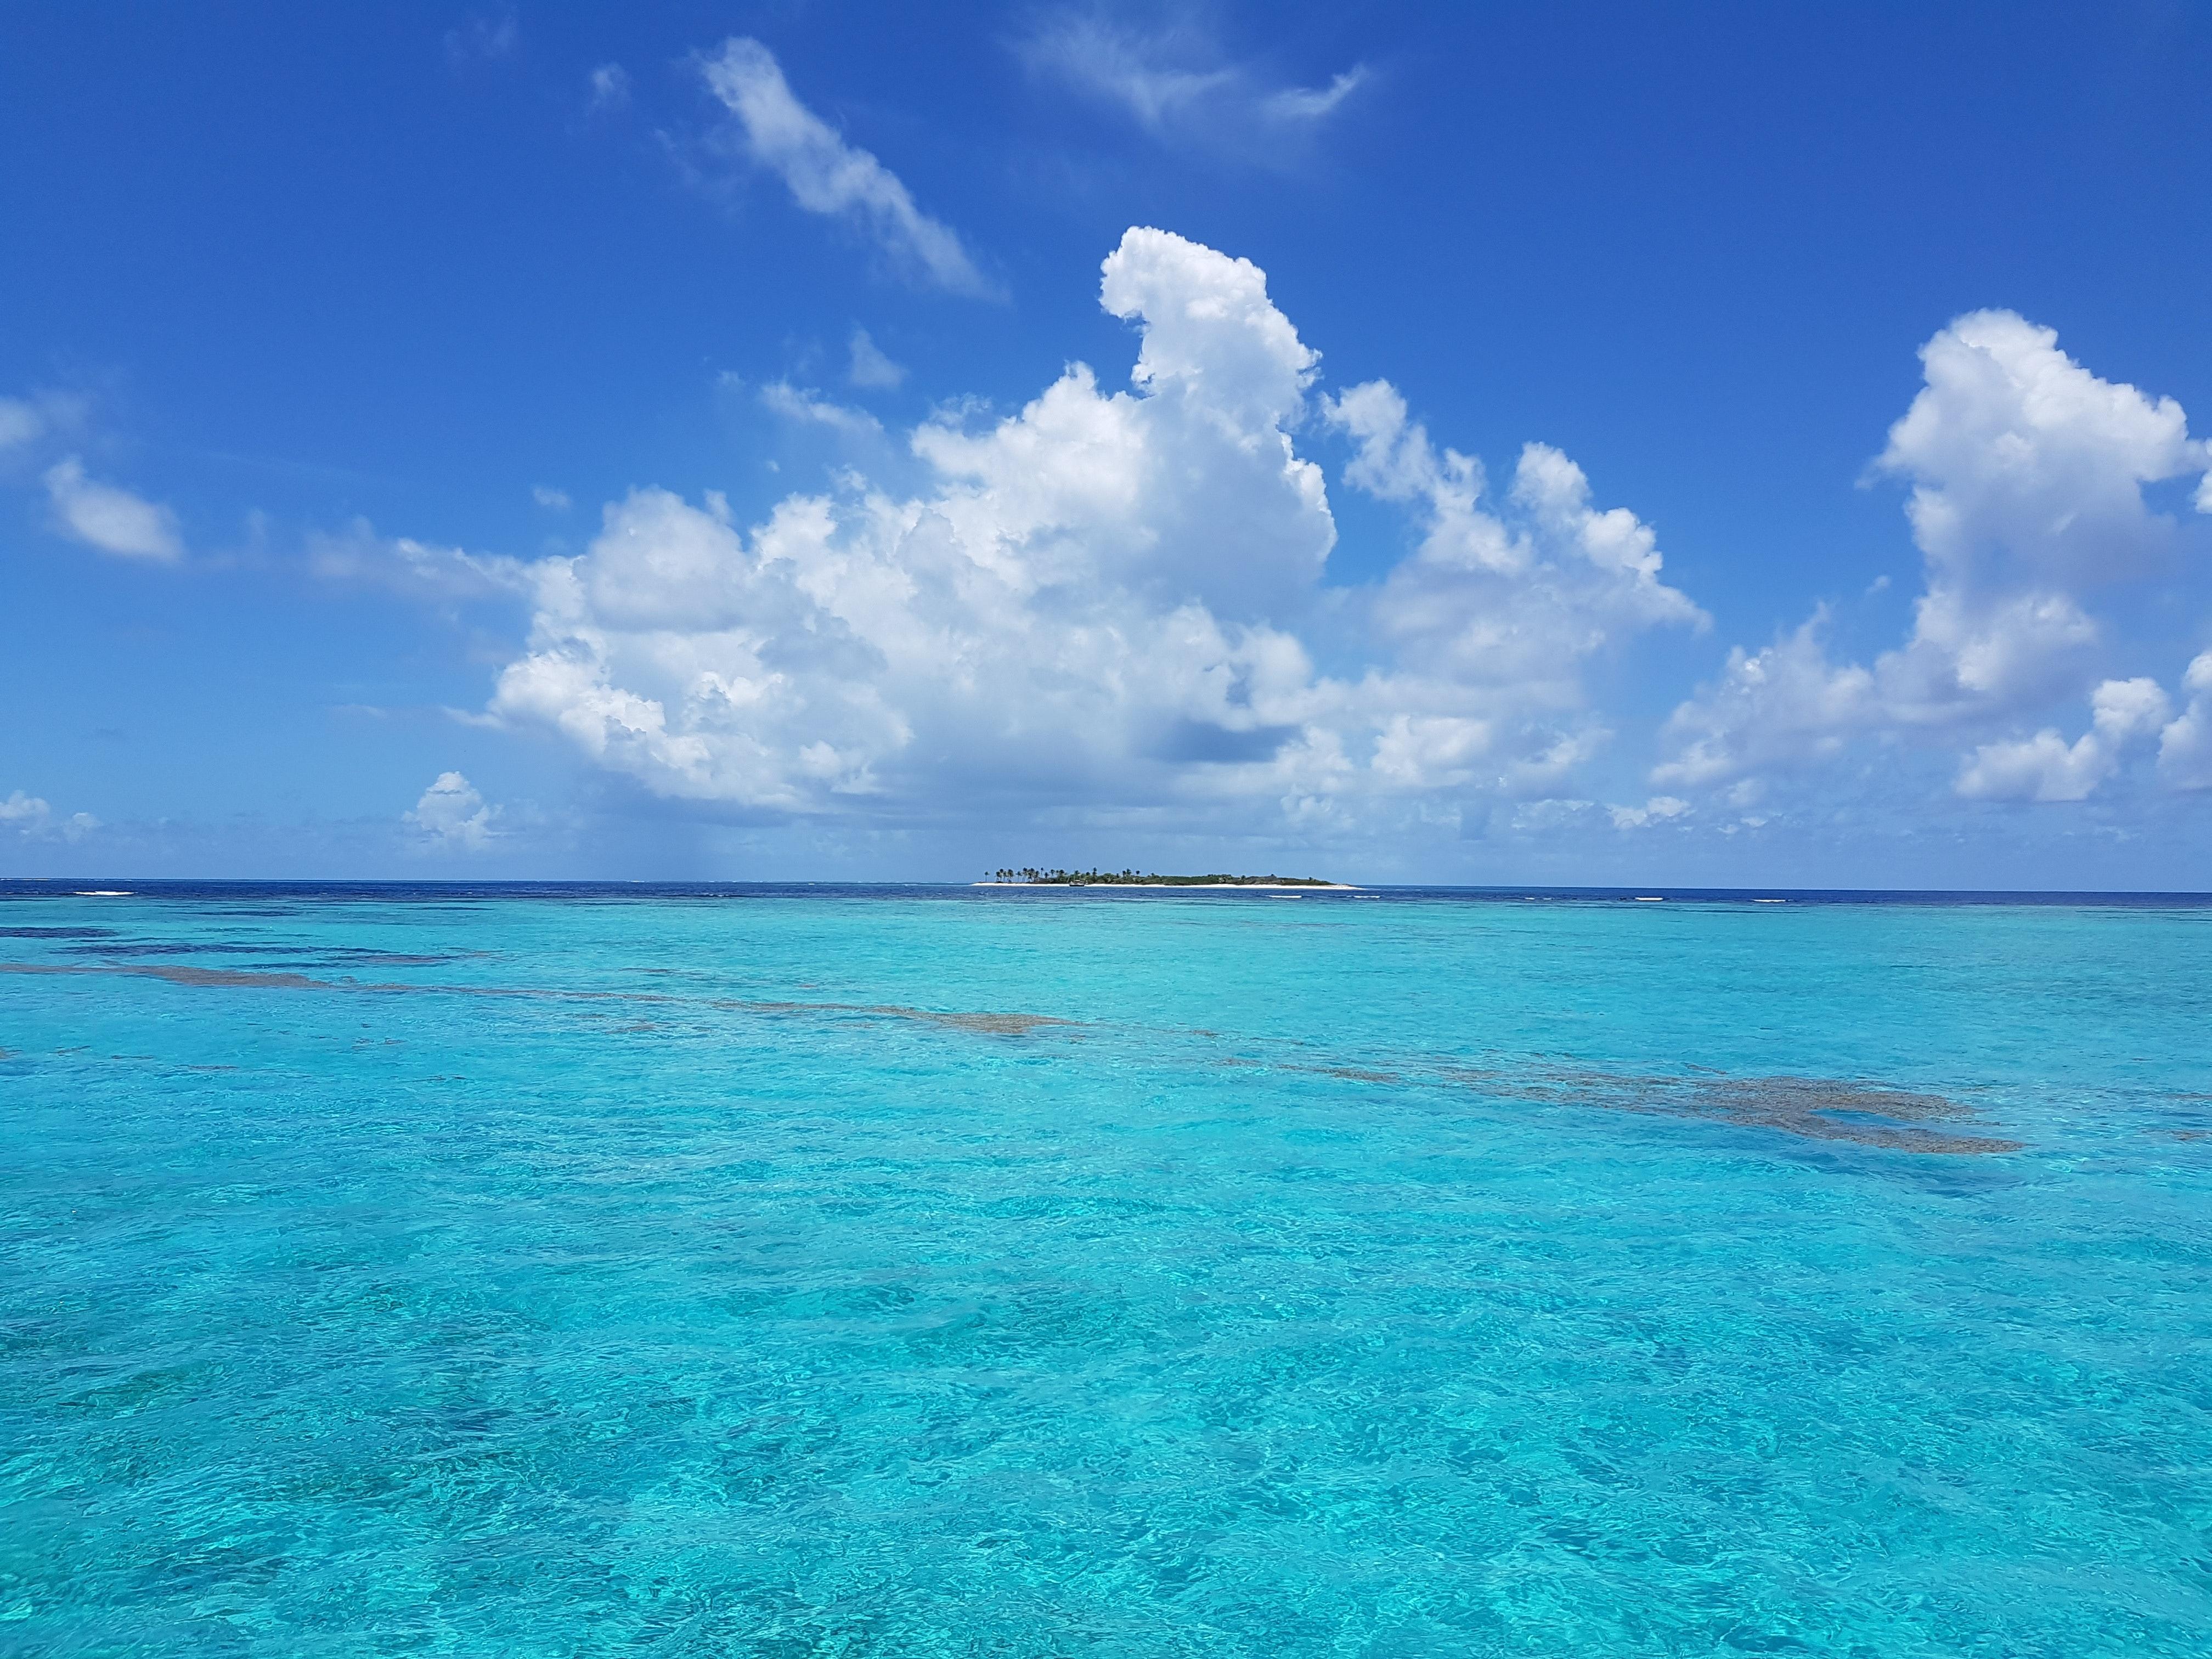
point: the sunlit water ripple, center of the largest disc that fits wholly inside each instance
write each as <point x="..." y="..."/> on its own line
<point x="932" y="1271"/>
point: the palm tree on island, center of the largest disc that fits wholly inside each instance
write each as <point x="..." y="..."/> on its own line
<point x="1031" y="876"/>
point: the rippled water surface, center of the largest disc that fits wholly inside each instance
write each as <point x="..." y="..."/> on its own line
<point x="931" y="1271"/>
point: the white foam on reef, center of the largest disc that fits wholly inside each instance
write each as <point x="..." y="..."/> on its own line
<point x="103" y="892"/>
<point x="1641" y="899"/>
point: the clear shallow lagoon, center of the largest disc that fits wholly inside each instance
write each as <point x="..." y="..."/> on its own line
<point x="924" y="1271"/>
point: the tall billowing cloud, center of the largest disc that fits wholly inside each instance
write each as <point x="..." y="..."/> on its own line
<point x="828" y="176"/>
<point x="2027" y="476"/>
<point x="451" y="816"/>
<point x="1111" y="599"/>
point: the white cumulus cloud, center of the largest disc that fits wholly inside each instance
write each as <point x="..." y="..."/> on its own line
<point x="1658" y="810"/>
<point x="29" y="815"/>
<point x="1514" y="592"/>
<point x="2185" y="747"/>
<point x="828" y="176"/>
<point x="110" y="518"/>
<point x="2025" y="467"/>
<point x="2047" y="768"/>
<point x="1107" y="600"/>
<point x="451" y="816"/>
<point x="2028" y="474"/>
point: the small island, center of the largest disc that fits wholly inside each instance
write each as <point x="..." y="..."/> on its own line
<point x="1033" y="877"/>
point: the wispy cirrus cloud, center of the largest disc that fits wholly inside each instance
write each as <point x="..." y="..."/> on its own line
<point x="608" y="85"/>
<point x="109" y="518"/>
<point x="357" y="555"/>
<point x="20" y="421"/>
<point x="870" y="368"/>
<point x="828" y="176"/>
<point x="1179" y="85"/>
<point x="483" y="38"/>
<point x="792" y="404"/>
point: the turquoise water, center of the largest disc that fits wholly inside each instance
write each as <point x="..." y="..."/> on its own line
<point x="926" y="1272"/>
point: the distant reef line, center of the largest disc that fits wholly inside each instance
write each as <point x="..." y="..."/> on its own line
<point x="1033" y="877"/>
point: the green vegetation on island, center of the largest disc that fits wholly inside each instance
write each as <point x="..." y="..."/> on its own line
<point x="1032" y="877"/>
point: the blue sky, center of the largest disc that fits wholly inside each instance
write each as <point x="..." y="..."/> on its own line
<point x="1701" y="444"/>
